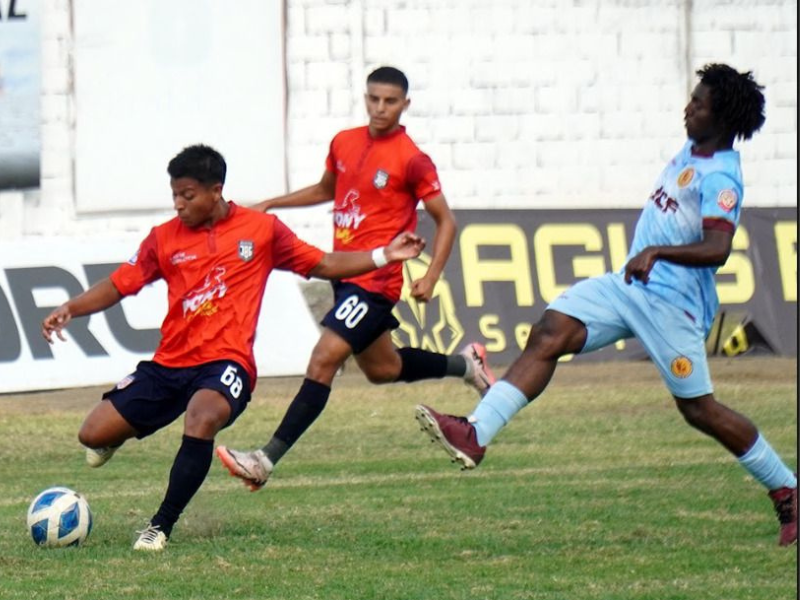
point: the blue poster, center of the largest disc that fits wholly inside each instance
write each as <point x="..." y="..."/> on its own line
<point x="20" y="86"/>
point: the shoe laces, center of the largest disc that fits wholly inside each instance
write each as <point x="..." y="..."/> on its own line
<point x="150" y="533"/>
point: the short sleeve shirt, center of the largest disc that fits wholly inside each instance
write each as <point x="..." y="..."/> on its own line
<point x="215" y="280"/>
<point x="379" y="182"/>
<point x="693" y="193"/>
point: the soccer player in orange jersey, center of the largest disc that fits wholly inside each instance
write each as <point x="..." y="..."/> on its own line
<point x="215" y="257"/>
<point x="376" y="176"/>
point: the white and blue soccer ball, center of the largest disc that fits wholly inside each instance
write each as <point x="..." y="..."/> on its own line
<point x="59" y="517"/>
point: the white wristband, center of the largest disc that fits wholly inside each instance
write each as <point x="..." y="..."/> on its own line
<point x="379" y="257"/>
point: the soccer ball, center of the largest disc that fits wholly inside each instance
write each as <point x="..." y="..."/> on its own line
<point x="59" y="517"/>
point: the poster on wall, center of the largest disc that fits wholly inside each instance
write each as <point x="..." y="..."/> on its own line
<point x="153" y="77"/>
<point x="20" y="84"/>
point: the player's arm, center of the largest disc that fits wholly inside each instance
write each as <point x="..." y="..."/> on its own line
<point x="439" y="210"/>
<point x="712" y="251"/>
<point x="100" y="296"/>
<point x="322" y="191"/>
<point x="338" y="265"/>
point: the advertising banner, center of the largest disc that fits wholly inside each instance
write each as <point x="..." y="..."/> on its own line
<point x="506" y="267"/>
<point x="38" y="275"/>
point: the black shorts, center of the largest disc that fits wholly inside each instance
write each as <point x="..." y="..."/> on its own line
<point x="359" y="316"/>
<point x="154" y="396"/>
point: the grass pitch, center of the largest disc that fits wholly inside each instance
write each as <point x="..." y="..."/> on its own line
<point x="596" y="491"/>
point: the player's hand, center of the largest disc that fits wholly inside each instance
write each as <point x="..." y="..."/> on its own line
<point x="404" y="246"/>
<point x="422" y="289"/>
<point x="639" y="266"/>
<point x="55" y="322"/>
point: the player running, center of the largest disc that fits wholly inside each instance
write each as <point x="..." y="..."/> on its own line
<point x="215" y="257"/>
<point x="376" y="176"/>
<point x="665" y="296"/>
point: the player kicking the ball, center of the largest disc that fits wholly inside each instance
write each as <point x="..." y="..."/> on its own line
<point x="665" y="296"/>
<point x="215" y="257"/>
<point x="376" y="176"/>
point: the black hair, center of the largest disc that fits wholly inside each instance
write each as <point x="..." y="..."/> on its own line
<point x="389" y="75"/>
<point x="736" y="100"/>
<point x="199" y="162"/>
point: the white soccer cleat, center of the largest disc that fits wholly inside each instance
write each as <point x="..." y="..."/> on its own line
<point x="254" y="468"/>
<point x="97" y="457"/>
<point x="478" y="374"/>
<point x="151" y="539"/>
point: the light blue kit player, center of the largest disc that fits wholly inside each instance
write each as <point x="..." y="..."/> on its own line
<point x="665" y="297"/>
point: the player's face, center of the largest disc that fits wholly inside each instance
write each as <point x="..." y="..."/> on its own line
<point x="697" y="116"/>
<point x="385" y="104"/>
<point x="195" y="203"/>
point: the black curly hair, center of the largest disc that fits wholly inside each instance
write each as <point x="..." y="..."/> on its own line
<point x="200" y="162"/>
<point x="736" y="100"/>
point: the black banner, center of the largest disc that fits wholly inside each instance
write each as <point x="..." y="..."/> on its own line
<point x="507" y="265"/>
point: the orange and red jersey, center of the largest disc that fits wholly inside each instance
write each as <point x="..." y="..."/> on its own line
<point x="215" y="279"/>
<point x="379" y="182"/>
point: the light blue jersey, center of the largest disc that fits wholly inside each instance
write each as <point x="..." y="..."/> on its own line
<point x="692" y="193"/>
<point x="672" y="313"/>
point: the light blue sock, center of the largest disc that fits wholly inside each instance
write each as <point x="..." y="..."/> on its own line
<point x="762" y="462"/>
<point x="495" y="409"/>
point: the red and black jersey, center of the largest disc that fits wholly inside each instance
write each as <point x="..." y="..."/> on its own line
<point x="215" y="279"/>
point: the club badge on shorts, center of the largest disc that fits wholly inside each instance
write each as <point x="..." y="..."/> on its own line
<point x="381" y="179"/>
<point x="246" y="250"/>
<point x="681" y="367"/>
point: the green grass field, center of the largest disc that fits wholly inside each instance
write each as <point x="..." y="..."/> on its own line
<point x="596" y="491"/>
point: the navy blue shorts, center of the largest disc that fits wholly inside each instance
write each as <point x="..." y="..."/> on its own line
<point x="154" y="396"/>
<point x="358" y="316"/>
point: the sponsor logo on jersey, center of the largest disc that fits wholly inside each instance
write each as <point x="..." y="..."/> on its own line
<point x="381" y="179"/>
<point x="727" y="200"/>
<point x="685" y="177"/>
<point x="347" y="216"/>
<point x="182" y="257"/>
<point x="681" y="367"/>
<point x="200" y="301"/>
<point x="246" y="250"/>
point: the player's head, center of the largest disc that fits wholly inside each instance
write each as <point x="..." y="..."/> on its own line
<point x="197" y="174"/>
<point x="725" y="104"/>
<point x="386" y="99"/>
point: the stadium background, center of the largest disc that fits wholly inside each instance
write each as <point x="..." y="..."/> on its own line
<point x="523" y="105"/>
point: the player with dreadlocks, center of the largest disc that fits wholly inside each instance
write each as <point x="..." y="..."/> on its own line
<point x="664" y="296"/>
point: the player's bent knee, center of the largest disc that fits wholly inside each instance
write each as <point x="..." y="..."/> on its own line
<point x="697" y="412"/>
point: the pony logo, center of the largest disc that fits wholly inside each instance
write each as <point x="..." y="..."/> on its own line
<point x="200" y="301"/>
<point x="433" y="325"/>
<point x="347" y="216"/>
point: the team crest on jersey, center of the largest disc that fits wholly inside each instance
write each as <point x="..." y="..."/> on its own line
<point x="381" y="179"/>
<point x="685" y="177"/>
<point x="727" y="200"/>
<point x="681" y="367"/>
<point x="246" y="250"/>
<point x="132" y="260"/>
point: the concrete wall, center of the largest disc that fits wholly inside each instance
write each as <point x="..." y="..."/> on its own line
<point x="521" y="104"/>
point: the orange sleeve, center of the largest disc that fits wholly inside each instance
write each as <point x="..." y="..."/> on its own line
<point x="290" y="253"/>
<point x="141" y="269"/>
<point x="422" y="177"/>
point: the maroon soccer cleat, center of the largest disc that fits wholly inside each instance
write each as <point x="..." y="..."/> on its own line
<point x="455" y="434"/>
<point x="785" y="501"/>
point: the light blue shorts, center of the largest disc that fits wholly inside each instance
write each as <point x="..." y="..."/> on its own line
<point x="613" y="310"/>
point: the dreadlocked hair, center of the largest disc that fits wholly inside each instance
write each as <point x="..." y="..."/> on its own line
<point x="736" y="100"/>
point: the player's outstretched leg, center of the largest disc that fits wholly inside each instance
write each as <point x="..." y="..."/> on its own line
<point x="455" y="434"/>
<point x="478" y="374"/>
<point x="254" y="468"/>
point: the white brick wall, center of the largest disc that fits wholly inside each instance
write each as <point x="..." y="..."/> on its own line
<point x="521" y="103"/>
